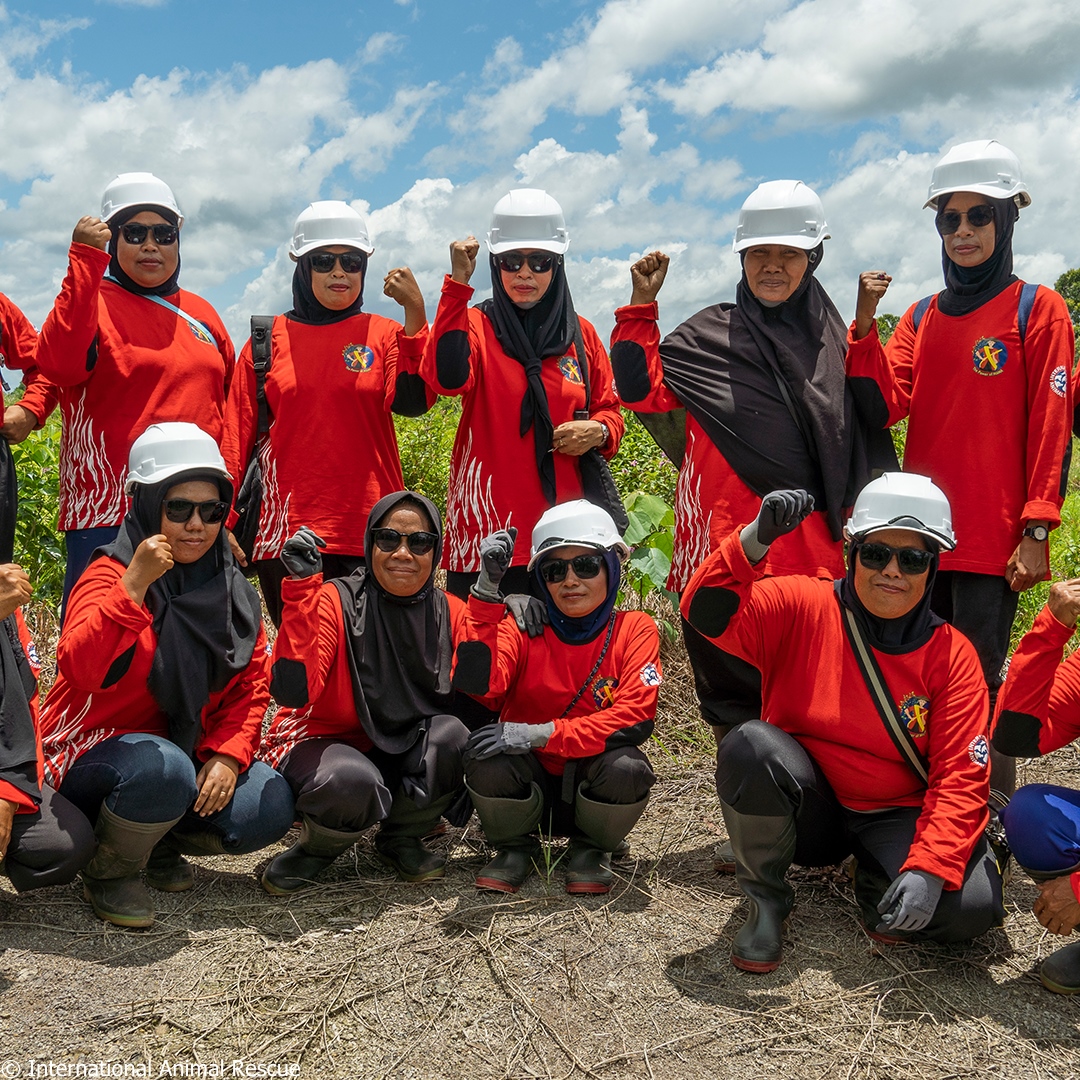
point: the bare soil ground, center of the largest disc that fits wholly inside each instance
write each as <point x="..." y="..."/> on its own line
<point x="364" y="977"/>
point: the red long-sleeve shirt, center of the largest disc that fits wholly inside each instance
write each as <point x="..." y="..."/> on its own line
<point x="494" y="481"/>
<point x="791" y="629"/>
<point x="989" y="416"/>
<point x="709" y="496"/>
<point x="533" y="680"/>
<point x="119" y="363"/>
<point x="102" y="623"/>
<point x="331" y="452"/>
<point x="23" y="803"/>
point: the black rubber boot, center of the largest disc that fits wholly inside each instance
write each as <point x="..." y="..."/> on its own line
<point x="603" y="827"/>
<point x="298" y="867"/>
<point x="1060" y="971"/>
<point x="202" y="842"/>
<point x="111" y="880"/>
<point x="508" y="824"/>
<point x="167" y="870"/>
<point x="764" y="848"/>
<point x="399" y="841"/>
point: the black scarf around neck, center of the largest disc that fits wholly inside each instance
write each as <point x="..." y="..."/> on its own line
<point x="529" y="337"/>
<point x="206" y="615"/>
<point x="400" y="647"/>
<point x="166" y="288"/>
<point x="307" y="309"/>
<point x="969" y="287"/>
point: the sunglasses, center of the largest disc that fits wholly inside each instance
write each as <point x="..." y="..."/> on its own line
<point x="910" y="560"/>
<point x="419" y="543"/>
<point x="585" y="567"/>
<point x="513" y="261"/>
<point x="978" y="217"/>
<point x="180" y="510"/>
<point x="164" y="235"/>
<point x="322" y="262"/>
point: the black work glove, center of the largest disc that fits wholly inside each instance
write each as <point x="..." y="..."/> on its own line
<point x="301" y="553"/>
<point x="507" y="738"/>
<point x="530" y="614"/>
<point x="496" y="551"/>
<point x="781" y="512"/>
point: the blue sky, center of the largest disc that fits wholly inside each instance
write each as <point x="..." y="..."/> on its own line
<point x="650" y="120"/>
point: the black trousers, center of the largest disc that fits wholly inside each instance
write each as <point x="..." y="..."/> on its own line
<point x="728" y="688"/>
<point x="272" y="573"/>
<point x="49" y="846"/>
<point x="763" y="771"/>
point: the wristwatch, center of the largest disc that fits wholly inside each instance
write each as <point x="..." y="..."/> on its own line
<point x="1037" y="532"/>
<point x="604" y="431"/>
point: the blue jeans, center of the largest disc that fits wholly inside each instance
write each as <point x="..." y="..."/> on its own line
<point x="146" y="778"/>
<point x="80" y="545"/>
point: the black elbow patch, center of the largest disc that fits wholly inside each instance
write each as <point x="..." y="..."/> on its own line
<point x="1066" y="461"/>
<point x="91" y="354"/>
<point x="869" y="400"/>
<point x="452" y="358"/>
<point x="631" y="370"/>
<point x="410" y="396"/>
<point x="634" y="735"/>
<point x="1017" y="734"/>
<point x="711" y="610"/>
<point x="118" y="668"/>
<point x="288" y="683"/>
<point x="473" y="672"/>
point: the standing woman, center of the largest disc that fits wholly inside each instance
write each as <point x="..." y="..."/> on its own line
<point x="336" y="375"/>
<point x="516" y="362"/>
<point x="153" y="722"/>
<point x="767" y="406"/>
<point x="125" y="351"/>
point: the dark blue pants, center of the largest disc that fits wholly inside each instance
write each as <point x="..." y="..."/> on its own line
<point x="1042" y="823"/>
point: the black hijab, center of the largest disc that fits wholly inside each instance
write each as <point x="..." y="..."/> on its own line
<point x="903" y="635"/>
<point x="586" y="627"/>
<point x="206" y="615"/>
<point x="122" y="217"/>
<point x="767" y="384"/>
<point x="307" y="309"/>
<point x="18" y="739"/>
<point x="969" y="287"/>
<point x="529" y="336"/>
<point x="400" y="647"/>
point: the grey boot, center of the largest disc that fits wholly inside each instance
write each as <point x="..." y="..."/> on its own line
<point x="111" y="879"/>
<point x="167" y="870"/>
<point x="399" y="841"/>
<point x="764" y="847"/>
<point x="508" y="825"/>
<point x="298" y="867"/>
<point x="198" y="842"/>
<point x="1060" y="971"/>
<point x="603" y="826"/>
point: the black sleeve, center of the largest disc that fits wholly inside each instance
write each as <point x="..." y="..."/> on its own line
<point x="410" y="396"/>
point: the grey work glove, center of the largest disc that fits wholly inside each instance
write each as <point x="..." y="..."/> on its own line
<point x="301" y="553"/>
<point x="496" y="551"/>
<point x="781" y="512"/>
<point x="910" y="902"/>
<point x="506" y="738"/>
<point x="530" y="614"/>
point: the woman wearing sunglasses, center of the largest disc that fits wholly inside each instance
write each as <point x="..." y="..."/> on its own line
<point x="336" y="375"/>
<point x="575" y="704"/>
<point x="516" y="362"/>
<point x="124" y="351"/>
<point x="872" y="737"/>
<point x="982" y="372"/>
<point x="362" y="666"/>
<point x="153" y="722"/>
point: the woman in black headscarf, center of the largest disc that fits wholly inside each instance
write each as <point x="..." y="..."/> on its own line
<point x="761" y="402"/>
<point x="535" y="384"/>
<point x="362" y="666"/>
<point x="872" y="737"/>
<point x="153" y="722"/>
<point x="336" y="373"/>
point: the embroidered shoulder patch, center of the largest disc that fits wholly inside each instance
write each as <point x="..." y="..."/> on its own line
<point x="1059" y="381"/>
<point x="989" y="356"/>
<point x="571" y="370"/>
<point x="358" y="357"/>
<point x="650" y="676"/>
<point x="915" y="712"/>
<point x="978" y="750"/>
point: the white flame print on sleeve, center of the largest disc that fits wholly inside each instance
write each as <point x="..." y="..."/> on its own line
<point x="469" y="500"/>
<point x="274" y="513"/>
<point x="67" y="741"/>
<point x="692" y="524"/>
<point x="91" y="490"/>
<point x="282" y="738"/>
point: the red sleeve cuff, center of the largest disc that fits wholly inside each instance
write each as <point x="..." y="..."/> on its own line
<point x="1074" y="881"/>
<point x="651" y="312"/>
<point x="484" y="611"/>
<point x="455" y="288"/>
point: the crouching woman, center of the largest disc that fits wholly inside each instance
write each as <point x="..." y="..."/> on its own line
<point x="152" y="725"/>
<point x="575" y="703"/>
<point x="872" y="736"/>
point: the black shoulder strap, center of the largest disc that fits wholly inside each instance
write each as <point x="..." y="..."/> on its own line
<point x="583" y="364"/>
<point x="1027" y="302"/>
<point x="261" y="358"/>
<point x="879" y="692"/>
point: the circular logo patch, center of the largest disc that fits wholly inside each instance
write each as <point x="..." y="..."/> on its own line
<point x="978" y="751"/>
<point x="1059" y="381"/>
<point x="358" y="357"/>
<point x="989" y="356"/>
<point x="915" y="712"/>
<point x="650" y="676"/>
<point x="571" y="370"/>
<point x="603" y="692"/>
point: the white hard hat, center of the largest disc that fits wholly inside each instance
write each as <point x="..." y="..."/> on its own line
<point x="138" y="189"/>
<point x="899" y="500"/>
<point x="577" y="522"/>
<point x="781" y="212"/>
<point x="168" y="449"/>
<point x="327" y="223"/>
<point x="985" y="167"/>
<point x="527" y="218"/>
